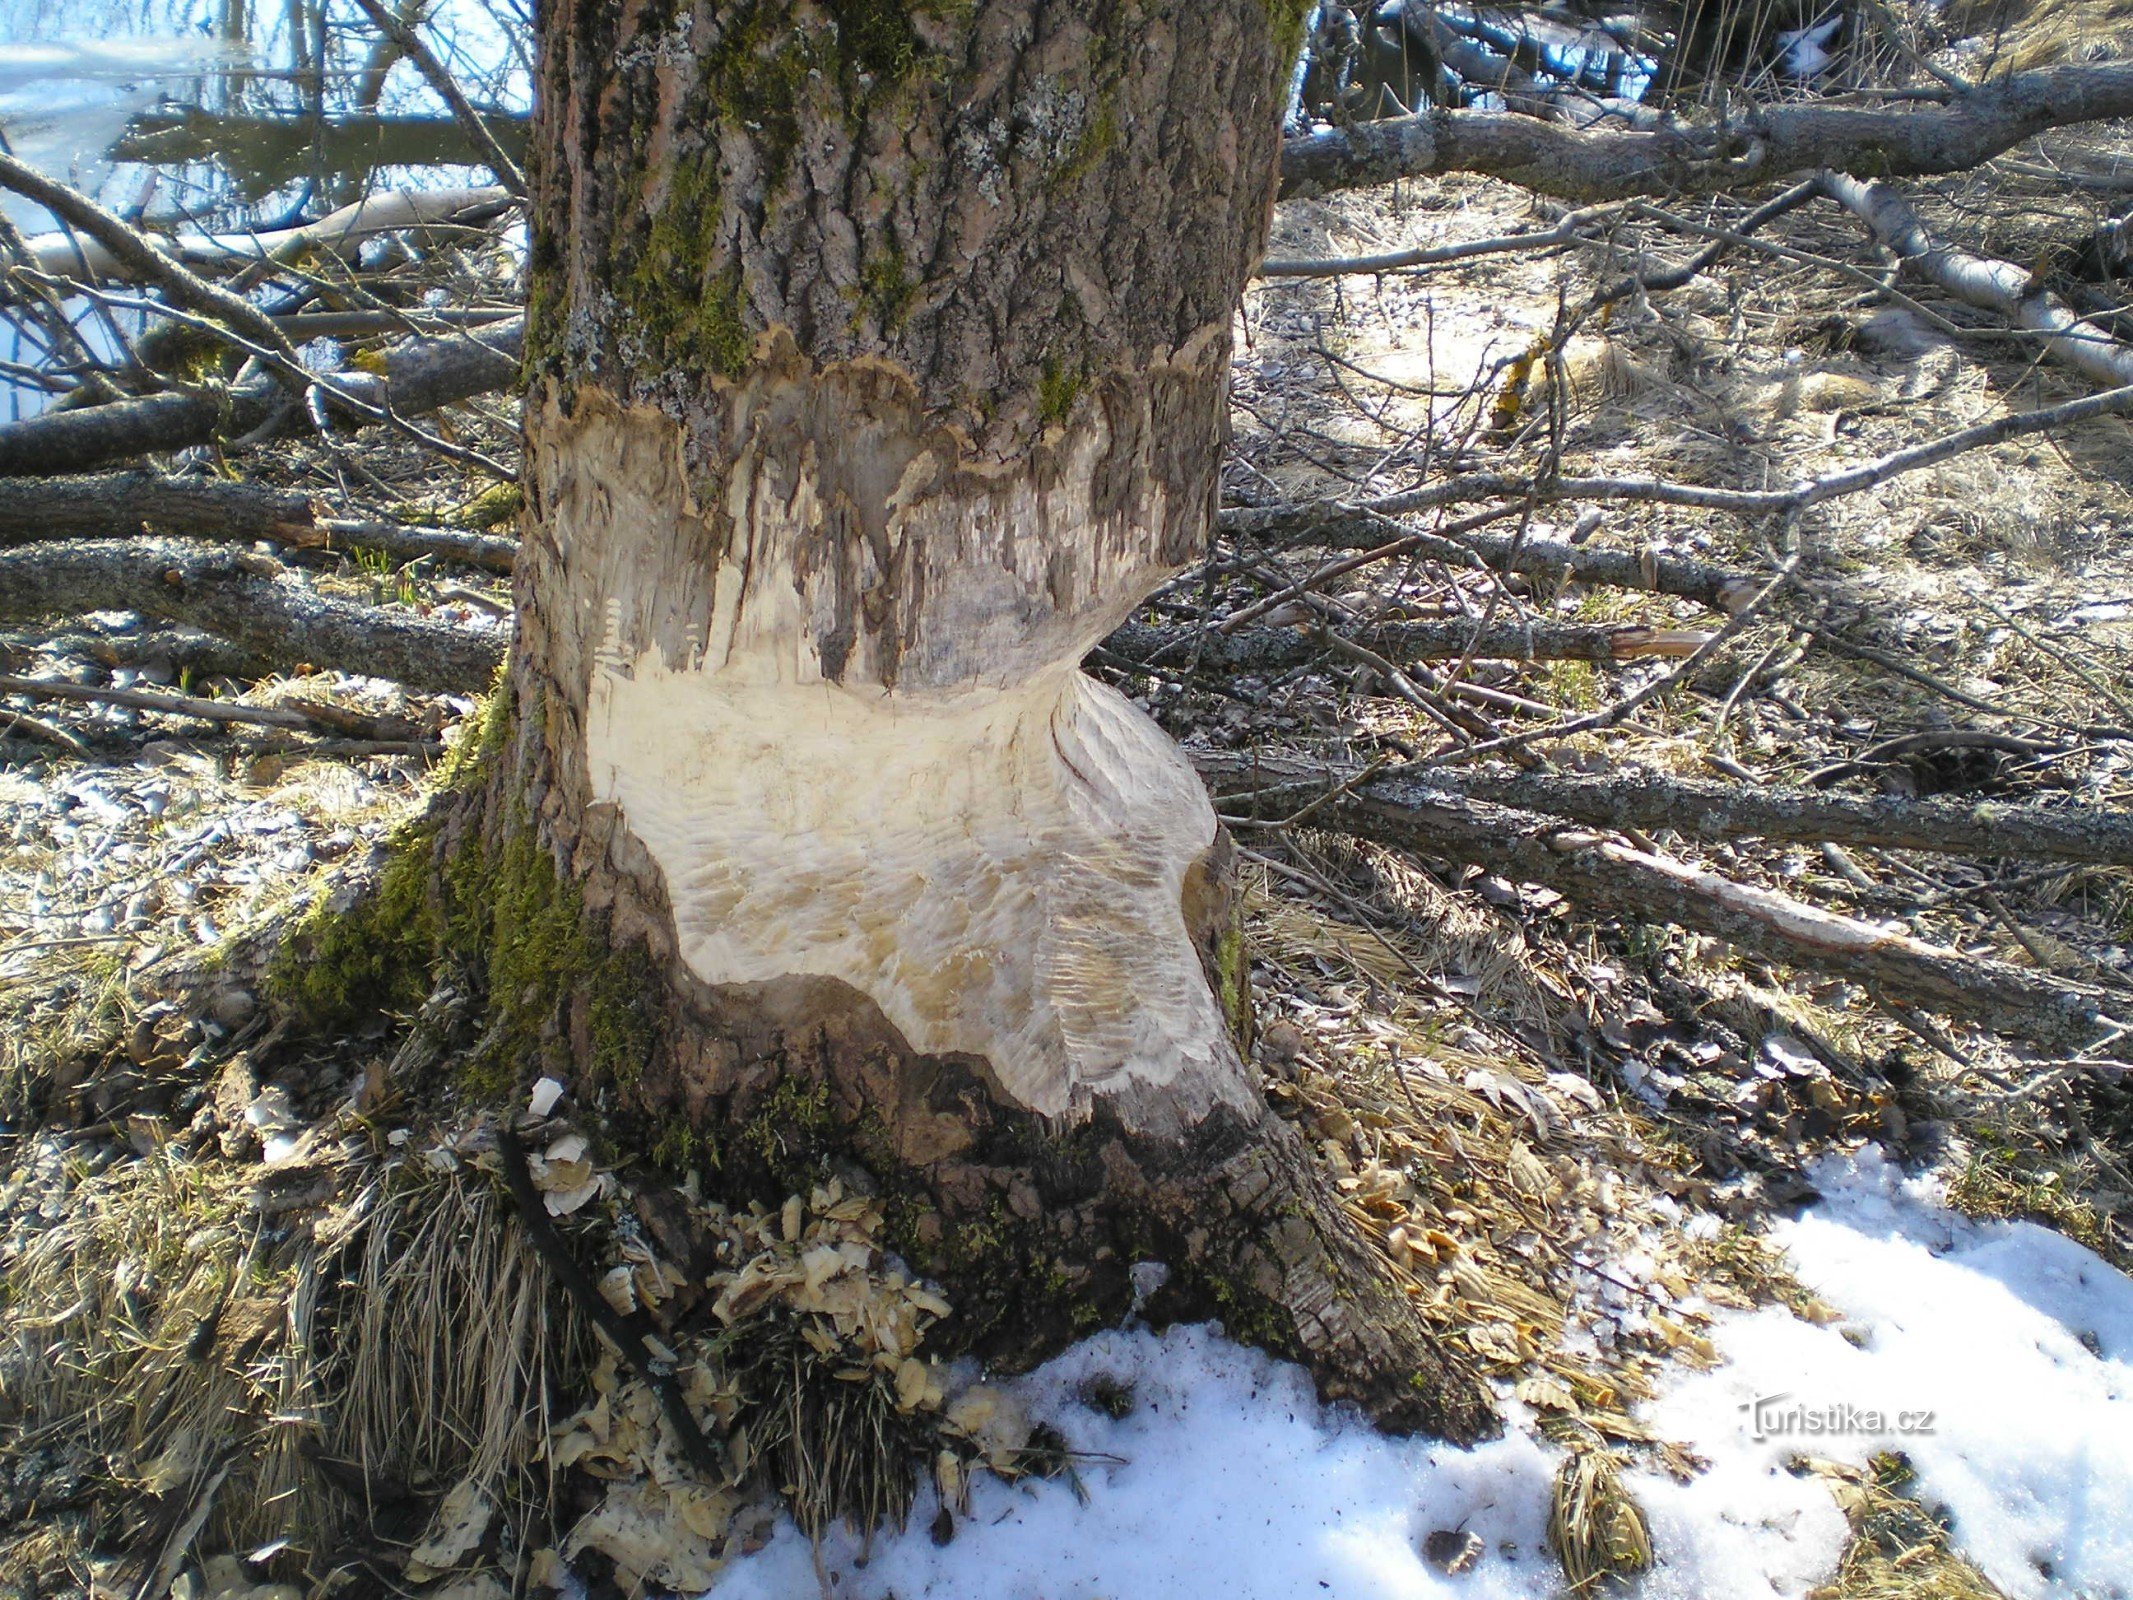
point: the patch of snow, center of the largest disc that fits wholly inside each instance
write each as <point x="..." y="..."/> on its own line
<point x="1800" y="50"/>
<point x="2018" y="1340"/>
<point x="1228" y="1478"/>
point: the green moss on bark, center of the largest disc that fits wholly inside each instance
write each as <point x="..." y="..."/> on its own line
<point x="375" y="955"/>
<point x="558" y="995"/>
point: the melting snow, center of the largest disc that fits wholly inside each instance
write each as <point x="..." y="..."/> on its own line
<point x="1228" y="1479"/>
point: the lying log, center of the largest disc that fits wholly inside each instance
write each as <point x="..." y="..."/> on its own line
<point x="2002" y="287"/>
<point x="1610" y="878"/>
<point x="165" y="653"/>
<point x="1277" y="649"/>
<point x="247" y="598"/>
<point x="418" y="375"/>
<point x="1346" y="527"/>
<point x="403" y="542"/>
<point x="1699" y="809"/>
<point x="304" y="716"/>
<point x="1750" y="145"/>
<point x="119" y="505"/>
<point x="71" y="255"/>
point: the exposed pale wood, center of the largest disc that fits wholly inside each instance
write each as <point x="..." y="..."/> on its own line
<point x="802" y="598"/>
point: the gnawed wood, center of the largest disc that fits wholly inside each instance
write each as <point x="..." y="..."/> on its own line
<point x="826" y="502"/>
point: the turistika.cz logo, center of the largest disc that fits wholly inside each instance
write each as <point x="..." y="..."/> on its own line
<point x="1782" y="1416"/>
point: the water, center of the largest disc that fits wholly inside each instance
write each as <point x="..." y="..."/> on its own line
<point x="228" y="115"/>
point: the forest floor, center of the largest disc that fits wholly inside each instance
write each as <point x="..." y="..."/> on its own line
<point x="1586" y="1140"/>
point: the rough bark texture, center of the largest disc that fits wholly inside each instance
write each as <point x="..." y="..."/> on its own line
<point x="243" y="598"/>
<point x="1699" y="156"/>
<point x="1700" y="809"/>
<point x="119" y="504"/>
<point x="877" y="365"/>
<point x="1276" y="649"/>
<point x="1414" y="813"/>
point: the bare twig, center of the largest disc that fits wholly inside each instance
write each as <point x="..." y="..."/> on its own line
<point x="409" y="38"/>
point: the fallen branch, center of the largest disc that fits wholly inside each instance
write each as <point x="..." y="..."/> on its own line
<point x="418" y="375"/>
<point x="1760" y="144"/>
<point x="405" y="542"/>
<point x="172" y="650"/>
<point x="1700" y="809"/>
<point x="1276" y="649"/>
<point x="1342" y="526"/>
<point x="246" y="598"/>
<point x="118" y="505"/>
<point x="1347" y="524"/>
<point x="1610" y="878"/>
<point x="121" y="505"/>
<point x="1997" y="286"/>
<point x="73" y="256"/>
<point x="1566" y="231"/>
<point x="412" y="45"/>
<point x="146" y="261"/>
<point x="307" y="716"/>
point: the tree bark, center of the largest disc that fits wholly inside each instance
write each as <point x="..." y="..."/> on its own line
<point x="1691" y="156"/>
<point x="246" y="599"/>
<point x="1604" y="874"/>
<point x="877" y="363"/>
<point x="1700" y="809"/>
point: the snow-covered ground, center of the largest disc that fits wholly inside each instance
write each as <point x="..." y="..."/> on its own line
<point x="1228" y="1480"/>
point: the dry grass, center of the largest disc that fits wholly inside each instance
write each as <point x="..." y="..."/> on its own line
<point x="1898" y="1551"/>
<point x="237" y="1374"/>
<point x="2022" y="35"/>
<point x="393" y="1357"/>
<point x="2011" y="1184"/>
<point x="1595" y="1528"/>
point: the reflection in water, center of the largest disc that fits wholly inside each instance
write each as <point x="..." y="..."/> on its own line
<point x="243" y="107"/>
<point x="236" y="114"/>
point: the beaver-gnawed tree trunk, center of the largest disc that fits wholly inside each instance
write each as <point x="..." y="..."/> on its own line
<point x="877" y="367"/>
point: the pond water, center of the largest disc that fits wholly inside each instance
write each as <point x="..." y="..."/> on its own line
<point x="233" y="114"/>
<point x="227" y="112"/>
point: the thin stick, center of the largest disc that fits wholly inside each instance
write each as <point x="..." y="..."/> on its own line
<point x="412" y="44"/>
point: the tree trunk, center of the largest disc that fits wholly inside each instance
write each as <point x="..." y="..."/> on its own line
<point x="877" y="363"/>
